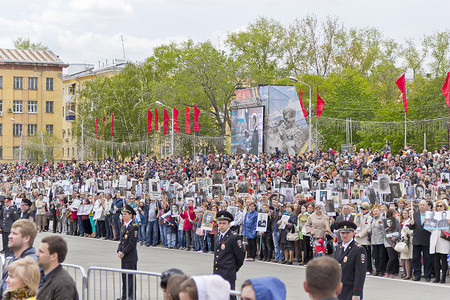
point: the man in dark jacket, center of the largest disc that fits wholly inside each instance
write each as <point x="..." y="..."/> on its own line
<point x="55" y="283"/>
<point x="127" y="251"/>
<point x="228" y="249"/>
<point x="8" y="215"/>
<point x="421" y="244"/>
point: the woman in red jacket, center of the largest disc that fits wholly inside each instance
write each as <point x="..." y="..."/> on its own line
<point x="188" y="216"/>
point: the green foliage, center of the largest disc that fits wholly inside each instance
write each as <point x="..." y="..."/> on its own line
<point x="25" y="44"/>
<point x="34" y="151"/>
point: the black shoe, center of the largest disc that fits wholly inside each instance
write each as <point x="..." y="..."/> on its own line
<point x="427" y="279"/>
<point x="436" y="280"/>
<point x="147" y="245"/>
<point x="289" y="263"/>
<point x="376" y="274"/>
<point x="416" y="279"/>
<point x="442" y="280"/>
<point x="116" y="239"/>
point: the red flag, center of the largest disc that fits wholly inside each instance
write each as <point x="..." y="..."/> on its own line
<point x="96" y="128"/>
<point x="187" y="118"/>
<point x="149" y="121"/>
<point x="103" y="134"/>
<point x="300" y="96"/>
<point x="446" y="89"/>
<point x="166" y="121"/>
<point x="175" y="120"/>
<point x="400" y="82"/>
<point x="156" y="119"/>
<point x="196" y="114"/>
<point x="320" y="104"/>
<point x="112" y="124"/>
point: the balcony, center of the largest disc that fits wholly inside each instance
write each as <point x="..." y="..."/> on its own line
<point x="70" y="118"/>
<point x="70" y="98"/>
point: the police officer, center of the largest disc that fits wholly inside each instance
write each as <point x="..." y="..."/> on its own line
<point x="127" y="251"/>
<point x="353" y="260"/>
<point x="8" y="215"/>
<point x="228" y="251"/>
<point x="25" y="212"/>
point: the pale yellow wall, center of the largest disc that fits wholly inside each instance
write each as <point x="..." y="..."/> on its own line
<point x="8" y="94"/>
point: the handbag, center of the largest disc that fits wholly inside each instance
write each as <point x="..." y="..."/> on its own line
<point x="401" y="247"/>
<point x="292" y="236"/>
<point x="445" y="235"/>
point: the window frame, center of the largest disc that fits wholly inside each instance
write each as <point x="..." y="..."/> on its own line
<point x="35" y="104"/>
<point x="17" y="83"/>
<point x="49" y="84"/>
<point x="47" y="103"/>
<point x="17" y="104"/>
<point x="32" y="83"/>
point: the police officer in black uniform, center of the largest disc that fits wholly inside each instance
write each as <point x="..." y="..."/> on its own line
<point x="127" y="251"/>
<point x="228" y="249"/>
<point x="8" y="215"/>
<point x="353" y="260"/>
<point x="25" y="212"/>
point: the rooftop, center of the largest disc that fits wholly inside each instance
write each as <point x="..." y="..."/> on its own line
<point x="16" y="56"/>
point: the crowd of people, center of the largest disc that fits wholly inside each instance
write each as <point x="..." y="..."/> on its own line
<point x="286" y="208"/>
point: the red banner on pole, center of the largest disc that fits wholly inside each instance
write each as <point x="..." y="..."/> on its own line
<point x="300" y="97"/>
<point x="196" y="114"/>
<point x="400" y="82"/>
<point x="446" y="89"/>
<point x="156" y="119"/>
<point x="320" y="104"/>
<point x="175" y="120"/>
<point x="149" y="122"/>
<point x="166" y="121"/>
<point x="187" y="117"/>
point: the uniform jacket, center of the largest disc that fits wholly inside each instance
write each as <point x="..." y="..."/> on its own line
<point x="59" y="286"/>
<point x="26" y="214"/>
<point x="128" y="242"/>
<point x="8" y="216"/>
<point x="354" y="266"/>
<point x="364" y="228"/>
<point x="228" y="255"/>
<point x="421" y="237"/>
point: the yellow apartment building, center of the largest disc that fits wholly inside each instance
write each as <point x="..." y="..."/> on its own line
<point x="73" y="80"/>
<point x="30" y="100"/>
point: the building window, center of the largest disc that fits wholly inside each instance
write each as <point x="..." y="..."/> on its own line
<point x="49" y="106"/>
<point x="17" y="129"/>
<point x="68" y="152"/>
<point x="1" y="129"/>
<point x="32" y="129"/>
<point x="1" y="105"/>
<point x="18" y="83"/>
<point x="1" y="82"/>
<point x="32" y="106"/>
<point x="73" y="152"/>
<point x="18" y="106"/>
<point x="1" y="152"/>
<point x="32" y="83"/>
<point x="62" y="152"/>
<point x="49" y="128"/>
<point x="63" y="133"/>
<point x="16" y="152"/>
<point x="49" y="84"/>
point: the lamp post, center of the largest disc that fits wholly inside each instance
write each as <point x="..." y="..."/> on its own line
<point x="21" y="138"/>
<point x="82" y="133"/>
<point x="291" y="78"/>
<point x="159" y="103"/>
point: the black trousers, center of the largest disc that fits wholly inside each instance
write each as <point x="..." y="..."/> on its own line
<point x="369" y="258"/>
<point x="129" y="280"/>
<point x="8" y="251"/>
<point x="251" y="250"/>
<point x="380" y="258"/>
<point x="307" y="248"/>
<point x="440" y="263"/>
<point x="418" y="251"/>
<point x="267" y="245"/>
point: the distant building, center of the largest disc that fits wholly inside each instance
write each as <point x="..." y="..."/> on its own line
<point x="73" y="81"/>
<point x="30" y="99"/>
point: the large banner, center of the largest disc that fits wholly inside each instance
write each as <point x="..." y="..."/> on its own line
<point x="247" y="130"/>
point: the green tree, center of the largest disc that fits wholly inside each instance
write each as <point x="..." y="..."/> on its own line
<point x="415" y="57"/>
<point x="25" y="44"/>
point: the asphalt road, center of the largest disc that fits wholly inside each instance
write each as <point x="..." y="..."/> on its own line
<point x="88" y="252"/>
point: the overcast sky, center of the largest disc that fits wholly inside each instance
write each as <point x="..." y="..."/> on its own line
<point x="89" y="30"/>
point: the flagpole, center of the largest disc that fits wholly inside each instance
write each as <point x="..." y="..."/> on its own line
<point x="194" y="144"/>
<point x="405" y="130"/>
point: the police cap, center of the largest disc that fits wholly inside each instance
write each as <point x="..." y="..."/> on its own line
<point x="346" y="226"/>
<point x="129" y="209"/>
<point x="224" y="215"/>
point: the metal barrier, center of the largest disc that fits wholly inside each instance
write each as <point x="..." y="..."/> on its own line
<point x="79" y="276"/>
<point x="235" y="293"/>
<point x="106" y="283"/>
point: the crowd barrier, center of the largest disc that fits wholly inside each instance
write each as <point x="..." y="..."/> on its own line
<point x="106" y="283"/>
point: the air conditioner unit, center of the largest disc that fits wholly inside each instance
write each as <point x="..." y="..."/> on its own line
<point x="10" y="110"/>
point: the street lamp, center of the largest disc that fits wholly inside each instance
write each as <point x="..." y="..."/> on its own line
<point x="21" y="138"/>
<point x="82" y="133"/>
<point x="159" y="103"/>
<point x="291" y="78"/>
